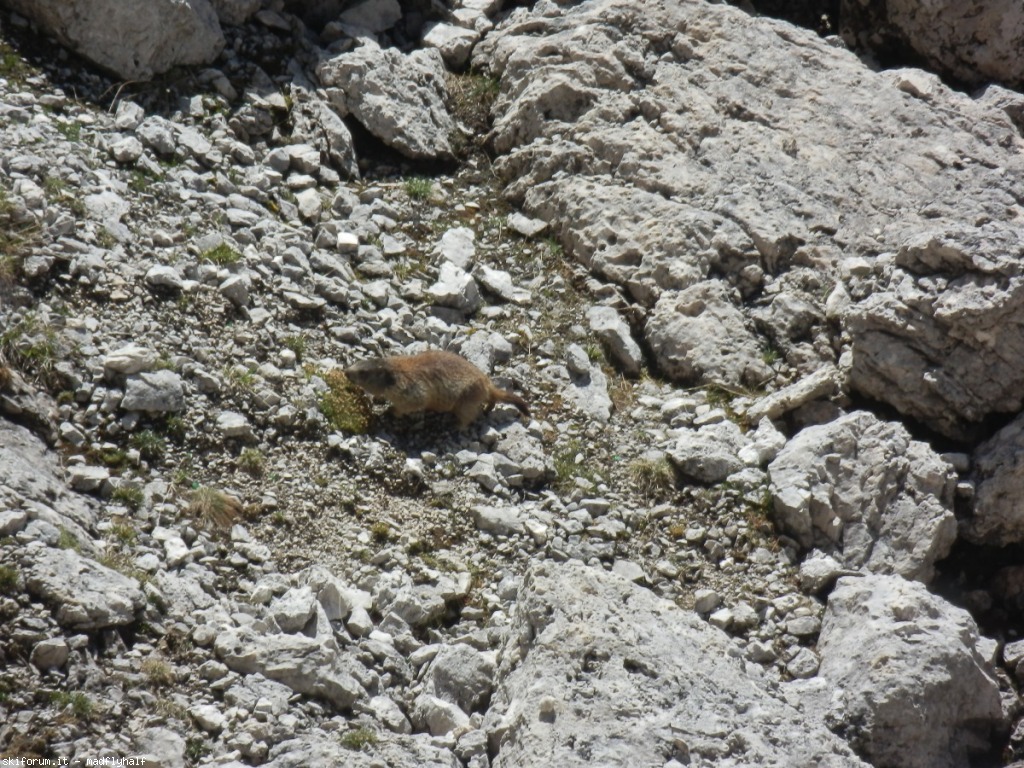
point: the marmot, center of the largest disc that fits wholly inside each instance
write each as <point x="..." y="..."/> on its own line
<point x="432" y="381"/>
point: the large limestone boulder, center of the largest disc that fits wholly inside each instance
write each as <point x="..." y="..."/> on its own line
<point x="669" y="143"/>
<point x="973" y="41"/>
<point x="914" y="684"/>
<point x="399" y="98"/>
<point x="134" y="41"/>
<point x="599" y="671"/>
<point x="860" y="489"/>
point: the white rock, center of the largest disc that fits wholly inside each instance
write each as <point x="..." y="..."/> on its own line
<point x="129" y="359"/>
<point x="155" y="37"/>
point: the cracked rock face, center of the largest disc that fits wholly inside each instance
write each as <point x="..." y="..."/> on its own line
<point x="861" y="489"/>
<point x="665" y="144"/>
<point x="582" y="638"/>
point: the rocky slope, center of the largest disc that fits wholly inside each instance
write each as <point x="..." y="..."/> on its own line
<point x="761" y="300"/>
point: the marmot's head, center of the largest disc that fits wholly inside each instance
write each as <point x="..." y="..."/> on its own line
<point x="374" y="376"/>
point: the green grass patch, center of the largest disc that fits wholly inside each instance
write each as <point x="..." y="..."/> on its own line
<point x="359" y="739"/>
<point x="418" y="187"/>
<point x="222" y="255"/>
<point x="344" y="405"/>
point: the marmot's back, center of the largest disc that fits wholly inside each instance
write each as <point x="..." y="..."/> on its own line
<point x="432" y="381"/>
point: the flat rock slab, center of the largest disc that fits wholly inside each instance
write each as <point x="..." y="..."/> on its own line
<point x="599" y="671"/>
<point x="84" y="594"/>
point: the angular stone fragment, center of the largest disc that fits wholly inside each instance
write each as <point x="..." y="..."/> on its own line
<point x="861" y="490"/>
<point x="398" y="98"/>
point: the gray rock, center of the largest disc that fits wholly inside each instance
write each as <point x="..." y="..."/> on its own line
<point x="932" y="657"/>
<point x="706" y="600"/>
<point x="454" y="43"/>
<point x="824" y="382"/>
<point x="235" y="289"/>
<point x="163" y="276"/>
<point x="455" y="288"/>
<point x="157" y="133"/>
<point x="157" y="36"/>
<point x="972" y="42"/>
<point x="320" y="125"/>
<point x="819" y="571"/>
<point x="932" y="331"/>
<point x="463" y="676"/>
<point x="861" y="490"/>
<point x="617" y="338"/>
<point x="306" y="665"/>
<point x="50" y="654"/>
<point x="499" y="283"/>
<point x="457" y="246"/>
<point x="317" y="747"/>
<point x="161" y="745"/>
<point x="501" y="521"/>
<point x="235" y="12"/>
<point x="398" y="98"/>
<point x="699" y="337"/>
<point x="234" y="425"/>
<point x="437" y="716"/>
<point x="372" y="15"/>
<point x="83" y="477"/>
<point x="129" y="359"/>
<point x="711" y="454"/>
<point x="293" y="610"/>
<point x="587" y="389"/>
<point x="526" y="226"/>
<point x="84" y="594"/>
<point x="127" y="150"/>
<point x="597" y="662"/>
<point x="998" y="476"/>
<point x="159" y="391"/>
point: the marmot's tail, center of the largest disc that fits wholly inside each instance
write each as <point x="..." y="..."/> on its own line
<point x="510" y="397"/>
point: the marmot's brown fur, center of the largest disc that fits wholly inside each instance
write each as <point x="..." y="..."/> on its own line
<point x="432" y="381"/>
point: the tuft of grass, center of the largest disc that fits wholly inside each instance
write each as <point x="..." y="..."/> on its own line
<point x="124" y="534"/>
<point x="13" y="66"/>
<point x="653" y="478"/>
<point x="129" y="495"/>
<point x="222" y="255"/>
<point x="158" y="672"/>
<point x="344" y="405"/>
<point x="359" y="739"/>
<point x="381" y="532"/>
<point x="77" y="704"/>
<point x="149" y="444"/>
<point x="211" y="506"/>
<point x="251" y="460"/>
<point x="30" y="347"/>
<point x="67" y="540"/>
<point x="72" y="131"/>
<point x="8" y="579"/>
<point x="418" y="187"/>
<point x="570" y="465"/>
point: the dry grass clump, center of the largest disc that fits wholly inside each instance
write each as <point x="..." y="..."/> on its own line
<point x="213" y="507"/>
